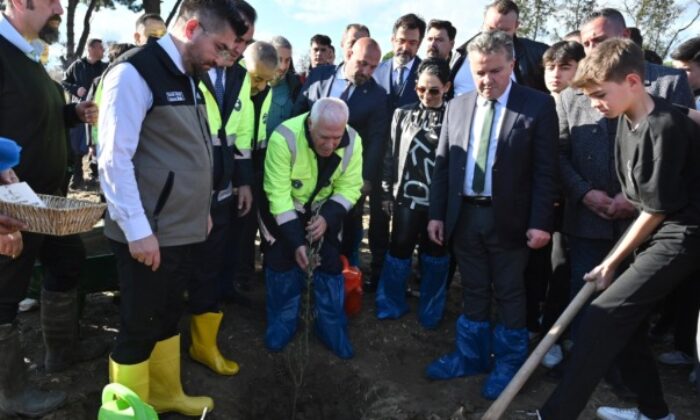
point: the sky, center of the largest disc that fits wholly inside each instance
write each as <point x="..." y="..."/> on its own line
<point x="299" y="20"/>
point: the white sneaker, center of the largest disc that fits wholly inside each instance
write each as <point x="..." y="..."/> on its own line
<point x="553" y="357"/>
<point x="616" y="413"/>
<point x="28" y="304"/>
<point x="675" y="358"/>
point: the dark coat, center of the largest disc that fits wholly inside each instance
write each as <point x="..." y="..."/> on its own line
<point x="384" y="77"/>
<point x="524" y="170"/>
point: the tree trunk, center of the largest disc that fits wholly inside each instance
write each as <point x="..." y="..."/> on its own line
<point x="70" y="34"/>
<point x="151" y="6"/>
<point x="86" y="28"/>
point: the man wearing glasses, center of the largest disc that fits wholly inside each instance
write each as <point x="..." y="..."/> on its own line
<point x="152" y="124"/>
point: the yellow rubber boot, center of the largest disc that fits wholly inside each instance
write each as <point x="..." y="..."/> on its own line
<point x="204" y="329"/>
<point x="166" y="388"/>
<point x="135" y="377"/>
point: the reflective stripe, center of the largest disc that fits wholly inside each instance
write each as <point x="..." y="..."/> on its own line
<point x="299" y="206"/>
<point x="342" y="201"/>
<point x="262" y="145"/>
<point x="347" y="156"/>
<point x="231" y="139"/>
<point x="215" y="140"/>
<point x="285" y="217"/>
<point x="245" y="154"/>
<point x="265" y="231"/>
<point x="288" y="135"/>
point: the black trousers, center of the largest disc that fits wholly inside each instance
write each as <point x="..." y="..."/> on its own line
<point x="378" y="229"/>
<point x="62" y="258"/>
<point x="410" y="228"/>
<point x="558" y="289"/>
<point x="152" y="302"/>
<point x="247" y="228"/>
<point x="488" y="268"/>
<point x="613" y="328"/>
<point x="203" y="288"/>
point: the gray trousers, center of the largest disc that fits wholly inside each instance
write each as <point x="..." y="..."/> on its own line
<point x="488" y="269"/>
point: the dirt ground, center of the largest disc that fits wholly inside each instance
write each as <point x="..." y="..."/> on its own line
<point x="384" y="380"/>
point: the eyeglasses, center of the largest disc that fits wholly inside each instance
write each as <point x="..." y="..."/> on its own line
<point x="221" y="50"/>
<point x="430" y="91"/>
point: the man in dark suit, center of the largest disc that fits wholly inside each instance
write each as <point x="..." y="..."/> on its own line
<point x="397" y="75"/>
<point x="353" y="83"/>
<point x="492" y="198"/>
<point x="503" y="15"/>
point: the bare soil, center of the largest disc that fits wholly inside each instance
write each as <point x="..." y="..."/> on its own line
<point x="383" y="381"/>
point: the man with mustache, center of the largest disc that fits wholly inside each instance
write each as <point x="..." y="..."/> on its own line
<point x="153" y="124"/>
<point x="34" y="114"/>
<point x="440" y="39"/>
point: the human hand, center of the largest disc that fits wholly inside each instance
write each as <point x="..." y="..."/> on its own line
<point x="87" y="112"/>
<point x="11" y="244"/>
<point x="8" y="176"/>
<point x="621" y="208"/>
<point x="245" y="200"/>
<point x="603" y="275"/>
<point x="436" y="231"/>
<point x="599" y="202"/>
<point x="146" y="251"/>
<point x="301" y="258"/>
<point x="537" y="239"/>
<point x="81" y="92"/>
<point x="316" y="227"/>
<point x="10" y="225"/>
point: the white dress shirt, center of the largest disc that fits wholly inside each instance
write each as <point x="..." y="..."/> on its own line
<point x="340" y="82"/>
<point x="11" y="34"/>
<point x="125" y="101"/>
<point x="212" y="77"/>
<point x="482" y="106"/>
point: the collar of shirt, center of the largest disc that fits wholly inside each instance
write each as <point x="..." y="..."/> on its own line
<point x="167" y="43"/>
<point x="9" y="32"/>
<point x="408" y="66"/>
<point x="501" y="100"/>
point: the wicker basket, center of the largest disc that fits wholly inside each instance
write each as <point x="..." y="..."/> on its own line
<point x="61" y="216"/>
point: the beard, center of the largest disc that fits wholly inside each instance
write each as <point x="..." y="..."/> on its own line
<point x="50" y="32"/>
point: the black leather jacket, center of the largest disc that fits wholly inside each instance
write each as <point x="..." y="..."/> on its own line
<point x="529" y="70"/>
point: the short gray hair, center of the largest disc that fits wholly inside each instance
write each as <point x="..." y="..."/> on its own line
<point x="280" y="42"/>
<point x="492" y="42"/>
<point x="331" y="110"/>
<point x="261" y="52"/>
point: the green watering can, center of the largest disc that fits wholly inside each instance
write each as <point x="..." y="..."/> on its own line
<point x="121" y="403"/>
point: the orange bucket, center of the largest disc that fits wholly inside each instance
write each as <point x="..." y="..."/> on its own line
<point x="353" y="287"/>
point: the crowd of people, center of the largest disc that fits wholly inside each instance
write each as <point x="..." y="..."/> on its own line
<point x="532" y="169"/>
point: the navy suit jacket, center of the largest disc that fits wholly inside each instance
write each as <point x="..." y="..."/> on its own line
<point x="368" y="115"/>
<point x="383" y="76"/>
<point x="524" y="171"/>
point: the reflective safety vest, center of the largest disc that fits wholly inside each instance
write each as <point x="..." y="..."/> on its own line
<point x="239" y="126"/>
<point x="291" y="171"/>
<point x="262" y="123"/>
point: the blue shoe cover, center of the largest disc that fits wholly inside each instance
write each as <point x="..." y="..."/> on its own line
<point x="391" y="291"/>
<point x="473" y="352"/>
<point x="331" y="323"/>
<point x="433" y="289"/>
<point x="510" y="351"/>
<point x="283" y="299"/>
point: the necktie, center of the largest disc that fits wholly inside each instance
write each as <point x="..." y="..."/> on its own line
<point x="219" y="88"/>
<point x="399" y="80"/>
<point x="346" y="92"/>
<point x="483" y="153"/>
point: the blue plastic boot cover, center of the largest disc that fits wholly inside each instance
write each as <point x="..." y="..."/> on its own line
<point x="391" y="291"/>
<point x="473" y="354"/>
<point x="283" y="299"/>
<point x="510" y="352"/>
<point x="9" y="153"/>
<point x="433" y="289"/>
<point x="331" y="323"/>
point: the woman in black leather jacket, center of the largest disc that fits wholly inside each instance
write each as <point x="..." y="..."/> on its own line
<point x="408" y="166"/>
